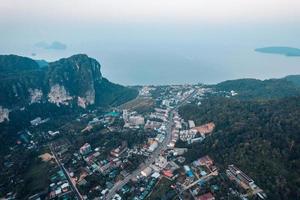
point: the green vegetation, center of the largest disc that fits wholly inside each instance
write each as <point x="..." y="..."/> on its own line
<point x="254" y="89"/>
<point x="111" y="94"/>
<point x="16" y="64"/>
<point x="27" y="176"/>
<point x="162" y="190"/>
<point x="78" y="74"/>
<point x="294" y="79"/>
<point x="36" y="178"/>
<point x="260" y="137"/>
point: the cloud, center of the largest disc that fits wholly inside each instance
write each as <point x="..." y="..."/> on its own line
<point x="124" y="11"/>
<point x="54" y="45"/>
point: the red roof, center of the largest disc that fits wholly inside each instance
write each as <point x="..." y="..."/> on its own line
<point x="207" y="196"/>
<point x="168" y="173"/>
<point x="206" y="128"/>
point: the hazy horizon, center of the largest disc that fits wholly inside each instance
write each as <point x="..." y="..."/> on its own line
<point x="166" y="42"/>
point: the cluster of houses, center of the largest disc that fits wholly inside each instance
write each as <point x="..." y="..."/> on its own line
<point x="58" y="188"/>
<point x="146" y="91"/>
<point x="103" y="166"/>
<point x="196" y="133"/>
<point x="195" y="175"/>
<point x="106" y="120"/>
<point x="133" y="120"/>
<point x="96" y="163"/>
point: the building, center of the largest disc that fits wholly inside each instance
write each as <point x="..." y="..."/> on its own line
<point x="207" y="196"/>
<point x="205" y="129"/>
<point x="240" y="177"/>
<point x="125" y="116"/>
<point x="51" y="133"/>
<point x="136" y="120"/>
<point x="85" y="149"/>
<point x="186" y="135"/>
<point x="191" y="123"/>
<point x="105" y="167"/>
<point x="166" y="102"/>
<point x="155" y="175"/>
<point x="117" y="152"/>
<point x="146" y="172"/>
<point x="197" y="139"/>
<point x="168" y="173"/>
<point x="179" y="151"/>
<point x="204" y="161"/>
<point x="153" y="146"/>
<point x="171" y="145"/>
<point x="36" y="121"/>
<point x="188" y="171"/>
<point x="146" y="91"/>
<point x="160" y="138"/>
<point x="152" y="125"/>
<point x="117" y="197"/>
<point x="161" y="162"/>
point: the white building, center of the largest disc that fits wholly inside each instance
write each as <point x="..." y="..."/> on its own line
<point x="125" y="115"/>
<point x="160" y="138"/>
<point x="191" y="123"/>
<point x="146" y="172"/>
<point x="161" y="162"/>
<point x="136" y="120"/>
<point x="153" y="146"/>
<point x="36" y="121"/>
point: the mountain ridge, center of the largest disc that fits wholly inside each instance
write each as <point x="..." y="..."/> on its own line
<point x="74" y="81"/>
<point x="249" y="88"/>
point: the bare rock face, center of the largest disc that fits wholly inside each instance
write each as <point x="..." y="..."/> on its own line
<point x="4" y="114"/>
<point x="81" y="102"/>
<point x="78" y="74"/>
<point x="89" y="99"/>
<point x="35" y="95"/>
<point x="58" y="95"/>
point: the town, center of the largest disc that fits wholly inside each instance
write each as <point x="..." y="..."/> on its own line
<point x="131" y="152"/>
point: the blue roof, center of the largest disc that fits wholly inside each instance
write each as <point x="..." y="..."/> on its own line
<point x="190" y="174"/>
<point x="112" y="114"/>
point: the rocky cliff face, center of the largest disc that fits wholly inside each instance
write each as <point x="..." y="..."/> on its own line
<point x="73" y="78"/>
<point x="75" y="81"/>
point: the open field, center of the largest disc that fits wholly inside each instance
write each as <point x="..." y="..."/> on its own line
<point x="162" y="190"/>
<point x="139" y="104"/>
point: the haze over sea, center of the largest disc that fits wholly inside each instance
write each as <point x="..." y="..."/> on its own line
<point x="195" y="42"/>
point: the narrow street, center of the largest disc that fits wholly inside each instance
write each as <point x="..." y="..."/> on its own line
<point x="73" y="186"/>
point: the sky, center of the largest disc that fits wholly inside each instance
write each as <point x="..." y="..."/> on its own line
<point x="157" y="41"/>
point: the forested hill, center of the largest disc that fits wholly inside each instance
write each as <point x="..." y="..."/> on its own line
<point x="31" y="89"/>
<point x="254" y="89"/>
<point x="75" y="81"/>
<point x="260" y="137"/>
<point x="294" y="79"/>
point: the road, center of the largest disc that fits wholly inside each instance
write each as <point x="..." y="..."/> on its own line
<point x="201" y="179"/>
<point x="73" y="186"/>
<point x="162" y="147"/>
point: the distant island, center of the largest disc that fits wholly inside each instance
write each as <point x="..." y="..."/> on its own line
<point x="287" y="51"/>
